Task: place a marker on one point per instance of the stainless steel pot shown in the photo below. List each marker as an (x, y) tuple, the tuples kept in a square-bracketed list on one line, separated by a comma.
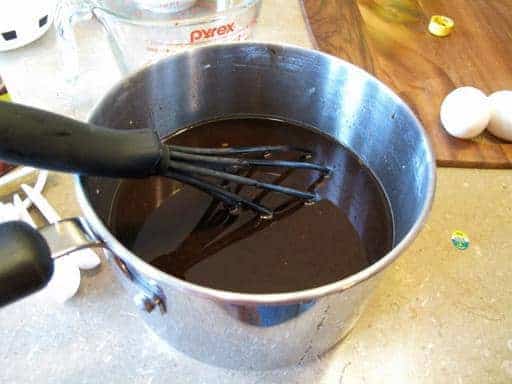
[(299, 85)]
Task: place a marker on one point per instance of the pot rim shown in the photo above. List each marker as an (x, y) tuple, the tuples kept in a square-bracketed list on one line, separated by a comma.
[(250, 298)]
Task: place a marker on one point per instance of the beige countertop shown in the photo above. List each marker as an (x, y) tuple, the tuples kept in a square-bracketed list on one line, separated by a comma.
[(440, 315)]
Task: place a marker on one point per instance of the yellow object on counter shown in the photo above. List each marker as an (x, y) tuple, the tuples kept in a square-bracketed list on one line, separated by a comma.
[(440, 26), (4, 95)]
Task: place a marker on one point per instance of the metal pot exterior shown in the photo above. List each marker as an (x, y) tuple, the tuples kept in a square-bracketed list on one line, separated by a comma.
[(299, 85), (249, 336)]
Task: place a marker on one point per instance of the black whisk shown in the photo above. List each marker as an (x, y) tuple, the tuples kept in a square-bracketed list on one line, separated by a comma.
[(42, 139)]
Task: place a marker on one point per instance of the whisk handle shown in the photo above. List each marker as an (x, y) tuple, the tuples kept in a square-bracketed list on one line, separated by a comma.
[(43, 139)]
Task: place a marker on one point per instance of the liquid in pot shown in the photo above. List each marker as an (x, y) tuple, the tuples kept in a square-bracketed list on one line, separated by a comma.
[(188, 234)]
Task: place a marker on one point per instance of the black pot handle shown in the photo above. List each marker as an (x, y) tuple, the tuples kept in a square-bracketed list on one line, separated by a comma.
[(26, 264), (27, 259)]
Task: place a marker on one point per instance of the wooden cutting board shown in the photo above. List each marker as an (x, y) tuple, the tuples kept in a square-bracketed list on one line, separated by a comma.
[(389, 38)]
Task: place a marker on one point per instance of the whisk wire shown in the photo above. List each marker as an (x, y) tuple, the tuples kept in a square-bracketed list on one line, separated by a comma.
[(188, 168), (235, 150), (248, 162), (229, 198)]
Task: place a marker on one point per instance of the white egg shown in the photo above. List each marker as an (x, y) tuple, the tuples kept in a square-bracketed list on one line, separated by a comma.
[(465, 112), (501, 115), (65, 280)]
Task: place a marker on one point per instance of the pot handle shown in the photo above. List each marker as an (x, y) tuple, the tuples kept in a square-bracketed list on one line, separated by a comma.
[(26, 254), (26, 265)]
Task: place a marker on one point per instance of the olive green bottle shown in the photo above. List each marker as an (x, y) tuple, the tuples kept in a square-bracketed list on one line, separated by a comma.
[(4, 96)]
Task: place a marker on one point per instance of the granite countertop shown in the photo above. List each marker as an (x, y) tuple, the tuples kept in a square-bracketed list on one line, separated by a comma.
[(439, 314)]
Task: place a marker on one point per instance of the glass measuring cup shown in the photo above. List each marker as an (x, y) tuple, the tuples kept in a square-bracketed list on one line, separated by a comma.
[(143, 31)]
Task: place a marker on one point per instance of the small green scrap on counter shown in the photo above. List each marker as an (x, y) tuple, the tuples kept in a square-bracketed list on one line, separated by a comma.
[(460, 240)]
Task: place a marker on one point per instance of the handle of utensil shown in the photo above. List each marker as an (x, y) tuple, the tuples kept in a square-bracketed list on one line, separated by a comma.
[(26, 265), (27, 254), (26, 260), (43, 139), (67, 14)]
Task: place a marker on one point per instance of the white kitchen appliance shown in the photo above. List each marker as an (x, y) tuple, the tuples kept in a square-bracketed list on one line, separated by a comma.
[(23, 21)]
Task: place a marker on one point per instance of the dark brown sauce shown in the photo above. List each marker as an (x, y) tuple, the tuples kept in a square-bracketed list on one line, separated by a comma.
[(190, 235)]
